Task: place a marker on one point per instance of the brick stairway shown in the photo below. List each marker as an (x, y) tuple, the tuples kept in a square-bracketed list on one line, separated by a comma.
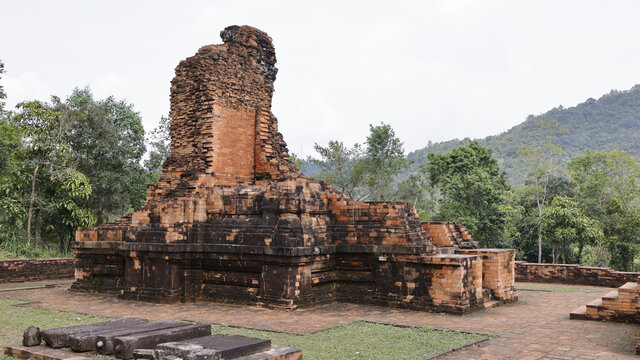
[(621, 304)]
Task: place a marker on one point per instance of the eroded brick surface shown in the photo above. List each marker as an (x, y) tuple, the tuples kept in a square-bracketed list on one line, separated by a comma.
[(19, 270), (572, 274), (449, 234), (233, 219)]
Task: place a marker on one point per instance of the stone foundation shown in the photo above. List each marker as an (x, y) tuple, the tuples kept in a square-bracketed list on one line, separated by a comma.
[(287, 278), (20, 270)]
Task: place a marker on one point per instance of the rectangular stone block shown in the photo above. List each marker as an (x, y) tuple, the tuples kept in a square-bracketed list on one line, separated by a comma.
[(59, 337), (124, 345)]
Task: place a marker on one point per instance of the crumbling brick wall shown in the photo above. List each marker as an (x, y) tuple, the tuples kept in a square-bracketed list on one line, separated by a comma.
[(572, 274), (20, 270)]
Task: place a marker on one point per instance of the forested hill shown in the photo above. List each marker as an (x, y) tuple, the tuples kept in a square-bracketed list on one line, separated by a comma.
[(611, 122)]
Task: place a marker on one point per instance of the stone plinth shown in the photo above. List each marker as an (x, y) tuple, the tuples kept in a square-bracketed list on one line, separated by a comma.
[(498, 271)]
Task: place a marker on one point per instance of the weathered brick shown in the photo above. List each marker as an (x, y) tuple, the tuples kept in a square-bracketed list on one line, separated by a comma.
[(233, 219)]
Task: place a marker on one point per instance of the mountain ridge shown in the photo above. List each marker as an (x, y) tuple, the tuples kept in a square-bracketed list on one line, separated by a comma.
[(611, 122)]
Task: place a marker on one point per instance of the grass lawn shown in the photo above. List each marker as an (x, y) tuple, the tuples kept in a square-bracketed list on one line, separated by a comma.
[(358, 340)]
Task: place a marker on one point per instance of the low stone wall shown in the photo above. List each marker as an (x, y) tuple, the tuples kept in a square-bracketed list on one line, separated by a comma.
[(19, 270), (572, 274)]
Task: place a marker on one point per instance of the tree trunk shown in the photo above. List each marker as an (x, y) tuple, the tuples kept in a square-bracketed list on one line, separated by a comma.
[(580, 252), (72, 237), (32, 198), (36, 232), (61, 245), (539, 248)]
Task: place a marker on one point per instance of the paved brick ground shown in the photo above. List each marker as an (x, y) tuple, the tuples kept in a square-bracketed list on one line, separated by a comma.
[(536, 327)]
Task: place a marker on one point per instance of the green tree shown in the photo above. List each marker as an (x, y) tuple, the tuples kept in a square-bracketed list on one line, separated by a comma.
[(473, 190), (341, 167), (12, 196), (160, 143), (609, 186), (417, 190), (541, 163), (107, 143), (47, 158), (384, 160), (300, 163), (523, 221), (564, 224)]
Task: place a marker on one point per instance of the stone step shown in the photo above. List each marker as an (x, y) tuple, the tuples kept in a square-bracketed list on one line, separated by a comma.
[(490, 304), (630, 287), (597, 303), (611, 295), (610, 299), (579, 313)]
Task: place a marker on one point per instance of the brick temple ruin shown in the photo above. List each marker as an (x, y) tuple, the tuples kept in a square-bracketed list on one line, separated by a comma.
[(233, 219)]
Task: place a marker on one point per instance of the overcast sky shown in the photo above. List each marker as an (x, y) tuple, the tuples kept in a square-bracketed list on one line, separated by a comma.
[(434, 70)]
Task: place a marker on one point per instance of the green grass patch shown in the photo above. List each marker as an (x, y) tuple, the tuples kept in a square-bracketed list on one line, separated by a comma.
[(363, 340), (554, 288), (357, 340), (15, 319)]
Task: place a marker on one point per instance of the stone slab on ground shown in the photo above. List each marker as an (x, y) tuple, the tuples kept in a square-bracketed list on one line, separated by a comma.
[(213, 347), (44, 353), (124, 345), (276, 353), (86, 341), (60, 337), (104, 342)]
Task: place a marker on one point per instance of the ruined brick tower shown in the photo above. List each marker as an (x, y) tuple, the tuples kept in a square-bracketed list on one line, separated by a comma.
[(233, 219)]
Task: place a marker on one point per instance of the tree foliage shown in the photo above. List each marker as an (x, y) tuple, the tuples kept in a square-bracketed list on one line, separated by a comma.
[(54, 184), (541, 164), (107, 143), (563, 223), (160, 143), (608, 184), (384, 160), (67, 164), (473, 189), (342, 167)]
